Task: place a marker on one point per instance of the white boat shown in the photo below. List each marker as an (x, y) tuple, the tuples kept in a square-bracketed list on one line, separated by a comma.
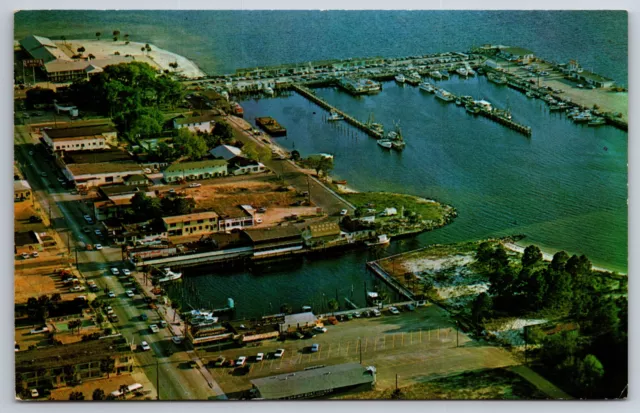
[(529, 94), (436, 75), (414, 78), (427, 87), (445, 73), (400, 78), (458, 102), (335, 116), (471, 72), (380, 240), (444, 95), (462, 71), (498, 80), (268, 90), (376, 127), (583, 117), (597, 122), (385, 143), (169, 276)]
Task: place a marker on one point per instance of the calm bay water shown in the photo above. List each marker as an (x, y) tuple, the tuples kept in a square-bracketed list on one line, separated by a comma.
[(560, 187)]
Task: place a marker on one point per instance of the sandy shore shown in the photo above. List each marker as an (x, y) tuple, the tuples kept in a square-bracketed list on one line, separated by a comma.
[(106, 48), (547, 256)]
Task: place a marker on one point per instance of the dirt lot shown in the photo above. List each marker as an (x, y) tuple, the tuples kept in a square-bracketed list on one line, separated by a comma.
[(22, 211), (108, 385)]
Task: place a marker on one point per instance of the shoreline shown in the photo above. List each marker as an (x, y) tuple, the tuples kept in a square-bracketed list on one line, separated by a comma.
[(548, 256), (161, 57)]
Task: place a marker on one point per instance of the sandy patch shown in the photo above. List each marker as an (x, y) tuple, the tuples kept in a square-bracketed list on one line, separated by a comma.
[(428, 264), (106, 48), (511, 331)]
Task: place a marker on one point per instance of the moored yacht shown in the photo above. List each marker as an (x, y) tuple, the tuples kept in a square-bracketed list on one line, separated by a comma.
[(400, 78), (385, 143), (427, 87), (436, 74), (414, 78), (268, 90), (335, 116), (462, 71), (444, 95)]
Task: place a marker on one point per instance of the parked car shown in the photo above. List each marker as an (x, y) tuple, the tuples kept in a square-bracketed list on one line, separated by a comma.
[(259, 356), (24, 255), (376, 312), (220, 361), (34, 394), (394, 310), (240, 362), (309, 334), (154, 328), (98, 247), (145, 346), (144, 317), (410, 307), (129, 293), (111, 294), (114, 271), (279, 352), (88, 219), (126, 272), (315, 348), (163, 324), (35, 254), (344, 212), (76, 288), (194, 185), (319, 329), (177, 339), (97, 232)]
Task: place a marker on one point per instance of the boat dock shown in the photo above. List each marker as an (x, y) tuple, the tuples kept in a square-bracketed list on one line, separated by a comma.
[(375, 268), (308, 93), (525, 130)]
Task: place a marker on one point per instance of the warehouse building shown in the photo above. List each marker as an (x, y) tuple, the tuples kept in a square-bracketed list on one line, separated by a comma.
[(315, 383)]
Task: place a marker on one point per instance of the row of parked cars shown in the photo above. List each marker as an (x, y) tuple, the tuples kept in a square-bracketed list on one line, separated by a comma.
[(241, 361)]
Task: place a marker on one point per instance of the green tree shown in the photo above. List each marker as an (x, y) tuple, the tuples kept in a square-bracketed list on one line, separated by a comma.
[(250, 151), (286, 309), (559, 260), (116, 33), (263, 153), (190, 144), (484, 252), (81, 49), (481, 307), (590, 373), (499, 259), (333, 305), (140, 203), (559, 290), (76, 395), (147, 122), (98, 34), (165, 152), (224, 132), (107, 365), (99, 319), (534, 288), (531, 256), (182, 206), (98, 394)]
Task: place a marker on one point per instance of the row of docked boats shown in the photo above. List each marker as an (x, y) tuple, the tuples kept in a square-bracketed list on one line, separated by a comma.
[(586, 116), (414, 78), (393, 140)]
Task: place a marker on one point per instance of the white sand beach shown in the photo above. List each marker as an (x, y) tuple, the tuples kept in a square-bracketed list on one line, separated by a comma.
[(106, 48)]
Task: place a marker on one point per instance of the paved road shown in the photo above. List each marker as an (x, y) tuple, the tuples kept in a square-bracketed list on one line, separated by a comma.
[(176, 382)]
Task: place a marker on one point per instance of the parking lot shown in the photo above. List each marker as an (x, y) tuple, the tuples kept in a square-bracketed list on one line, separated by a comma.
[(415, 345)]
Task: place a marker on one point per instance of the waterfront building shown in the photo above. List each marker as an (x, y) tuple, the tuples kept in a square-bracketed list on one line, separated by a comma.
[(116, 198), (27, 242), (274, 240), (81, 138), (96, 168), (202, 123), (63, 365), (244, 166), (313, 383), (21, 190), (144, 233), (321, 234), (198, 223), (234, 218), (186, 171), (43, 48), (592, 79), (518, 54)]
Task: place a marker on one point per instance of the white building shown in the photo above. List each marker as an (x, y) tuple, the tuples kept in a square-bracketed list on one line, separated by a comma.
[(202, 123), (81, 138), (226, 152)]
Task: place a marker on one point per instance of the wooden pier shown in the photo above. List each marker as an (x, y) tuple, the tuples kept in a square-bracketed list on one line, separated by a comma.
[(323, 104), (525, 130)]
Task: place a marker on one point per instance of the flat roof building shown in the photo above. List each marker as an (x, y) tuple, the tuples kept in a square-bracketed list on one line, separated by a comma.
[(274, 240), (314, 383), (198, 223), (21, 190), (81, 138), (185, 171), (97, 168)]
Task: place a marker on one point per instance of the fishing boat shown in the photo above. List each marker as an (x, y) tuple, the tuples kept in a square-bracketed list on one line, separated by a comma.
[(555, 108), (169, 275), (436, 75), (584, 117), (480, 70), (400, 78), (335, 116), (385, 143), (499, 80), (376, 127), (380, 240), (473, 109), (462, 71), (414, 78), (444, 95), (427, 87), (395, 136), (597, 122)]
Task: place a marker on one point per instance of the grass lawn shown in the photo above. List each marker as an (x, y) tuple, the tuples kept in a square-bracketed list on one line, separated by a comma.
[(429, 210), (493, 384)]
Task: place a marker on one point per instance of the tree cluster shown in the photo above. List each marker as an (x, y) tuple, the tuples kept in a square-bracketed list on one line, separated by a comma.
[(145, 208)]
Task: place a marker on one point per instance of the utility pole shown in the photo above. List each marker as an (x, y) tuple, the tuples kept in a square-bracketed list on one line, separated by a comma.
[(396, 381), (457, 333), (158, 378), (76, 257), (360, 341), (69, 241), (50, 223), (525, 345)]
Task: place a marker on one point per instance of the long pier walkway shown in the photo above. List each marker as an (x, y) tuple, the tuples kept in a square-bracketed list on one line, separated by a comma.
[(323, 104)]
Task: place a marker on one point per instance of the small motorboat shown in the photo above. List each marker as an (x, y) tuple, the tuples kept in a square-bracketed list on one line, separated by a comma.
[(380, 240)]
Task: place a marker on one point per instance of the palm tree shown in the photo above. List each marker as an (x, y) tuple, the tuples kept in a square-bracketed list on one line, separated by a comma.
[(81, 49), (98, 34), (107, 365), (116, 33), (91, 56), (98, 394), (76, 395), (333, 305), (126, 37)]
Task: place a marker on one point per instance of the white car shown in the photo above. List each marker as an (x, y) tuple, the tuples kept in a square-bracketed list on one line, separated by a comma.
[(130, 294), (319, 329), (344, 212), (394, 310), (98, 232), (34, 393), (126, 272), (279, 352), (24, 256), (35, 255), (109, 310), (176, 339), (76, 288), (145, 346), (114, 271), (98, 247), (88, 219), (111, 294), (195, 185), (315, 348), (259, 356), (241, 361), (376, 312), (154, 328)]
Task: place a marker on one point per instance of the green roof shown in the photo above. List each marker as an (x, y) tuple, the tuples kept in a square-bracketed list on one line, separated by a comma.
[(188, 166), (309, 383), (593, 76), (516, 51)]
